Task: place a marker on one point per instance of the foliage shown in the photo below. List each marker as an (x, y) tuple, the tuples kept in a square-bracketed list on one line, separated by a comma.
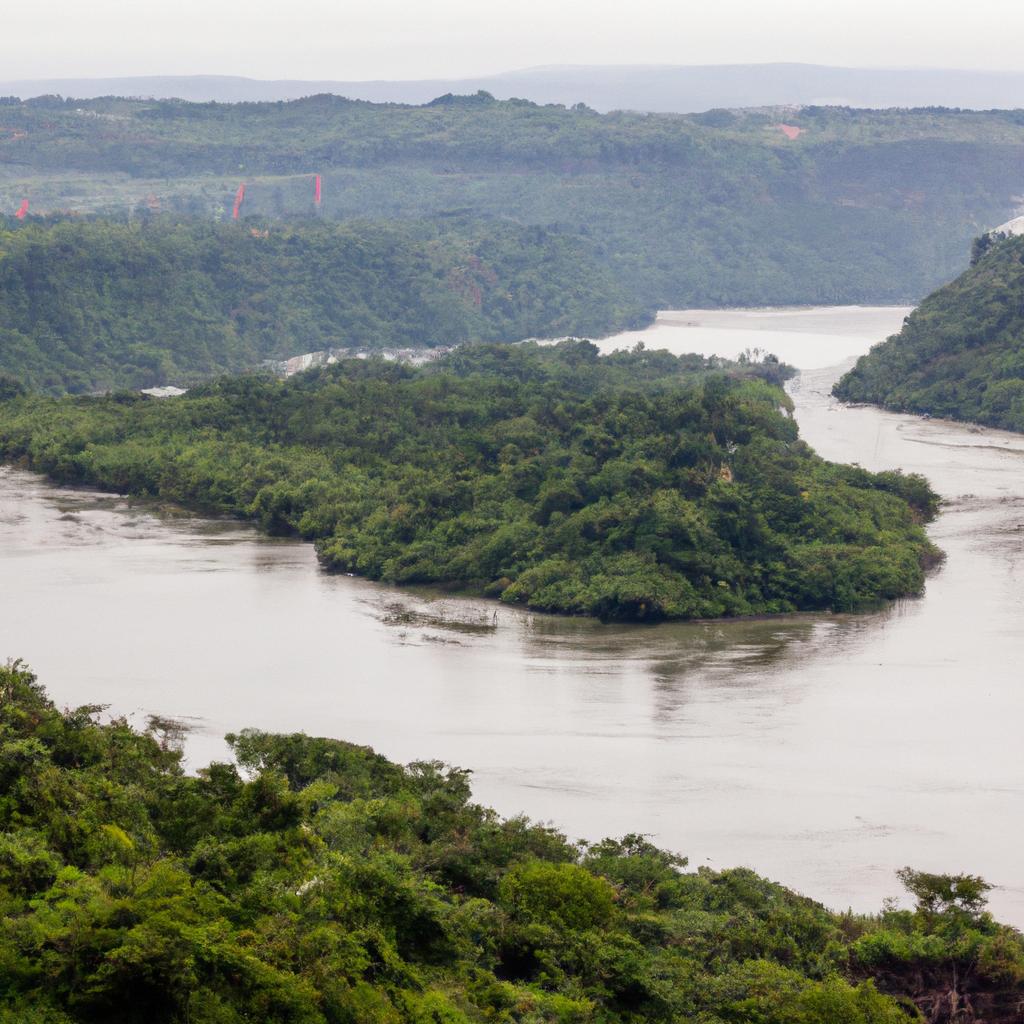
[(960, 354), (701, 210), (635, 486), (91, 305), (94, 305), (323, 884), (948, 954)]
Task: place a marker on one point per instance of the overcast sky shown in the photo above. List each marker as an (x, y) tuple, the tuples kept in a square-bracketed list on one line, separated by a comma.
[(365, 39)]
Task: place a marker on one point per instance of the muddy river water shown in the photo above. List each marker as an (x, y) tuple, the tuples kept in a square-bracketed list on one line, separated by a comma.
[(824, 751)]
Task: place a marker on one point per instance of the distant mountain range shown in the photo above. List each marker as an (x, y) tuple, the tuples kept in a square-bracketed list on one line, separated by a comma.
[(662, 88)]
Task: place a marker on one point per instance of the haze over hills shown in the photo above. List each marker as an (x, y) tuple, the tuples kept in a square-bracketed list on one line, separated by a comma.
[(660, 88), (821, 205)]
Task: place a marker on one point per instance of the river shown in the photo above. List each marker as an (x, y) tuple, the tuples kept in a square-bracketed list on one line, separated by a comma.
[(823, 751)]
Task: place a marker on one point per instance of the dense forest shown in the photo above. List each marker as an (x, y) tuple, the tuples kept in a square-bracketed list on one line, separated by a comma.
[(635, 486), (314, 882), (960, 354), (720, 208), (94, 305)]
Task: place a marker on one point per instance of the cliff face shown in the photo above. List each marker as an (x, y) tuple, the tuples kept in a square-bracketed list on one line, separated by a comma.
[(960, 354)]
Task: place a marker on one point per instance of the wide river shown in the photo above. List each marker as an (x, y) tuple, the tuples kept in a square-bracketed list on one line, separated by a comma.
[(824, 751)]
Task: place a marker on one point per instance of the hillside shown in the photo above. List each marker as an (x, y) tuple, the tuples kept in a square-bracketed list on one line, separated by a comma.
[(93, 305), (638, 486), (720, 208), (960, 354), (315, 882), (666, 88)]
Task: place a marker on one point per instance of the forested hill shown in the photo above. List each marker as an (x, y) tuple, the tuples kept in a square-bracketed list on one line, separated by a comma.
[(94, 305), (960, 354), (315, 882), (636, 486), (811, 205)]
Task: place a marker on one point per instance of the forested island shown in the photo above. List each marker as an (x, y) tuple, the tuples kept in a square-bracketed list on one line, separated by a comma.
[(960, 354), (820, 205), (96, 305), (312, 881), (636, 486)]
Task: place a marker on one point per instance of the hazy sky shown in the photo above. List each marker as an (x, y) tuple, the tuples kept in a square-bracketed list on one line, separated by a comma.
[(360, 39)]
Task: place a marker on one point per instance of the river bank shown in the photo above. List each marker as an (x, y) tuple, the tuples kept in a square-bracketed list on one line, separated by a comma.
[(823, 751)]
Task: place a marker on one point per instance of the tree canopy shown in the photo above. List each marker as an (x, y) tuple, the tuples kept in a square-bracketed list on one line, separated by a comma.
[(700, 210), (95, 305), (635, 486), (315, 882), (960, 354)]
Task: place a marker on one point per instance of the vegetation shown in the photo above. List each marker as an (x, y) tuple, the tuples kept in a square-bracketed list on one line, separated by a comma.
[(464, 219), (635, 486), (961, 352), (712, 209), (314, 882), (94, 305)]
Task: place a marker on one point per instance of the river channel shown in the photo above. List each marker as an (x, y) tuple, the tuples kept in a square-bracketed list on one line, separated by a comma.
[(823, 751)]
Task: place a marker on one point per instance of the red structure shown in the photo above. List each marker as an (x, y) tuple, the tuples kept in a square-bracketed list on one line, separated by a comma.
[(239, 198), (22, 210), (316, 189), (791, 131)]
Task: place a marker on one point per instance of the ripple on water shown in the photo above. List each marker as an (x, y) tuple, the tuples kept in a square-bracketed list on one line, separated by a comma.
[(824, 751)]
